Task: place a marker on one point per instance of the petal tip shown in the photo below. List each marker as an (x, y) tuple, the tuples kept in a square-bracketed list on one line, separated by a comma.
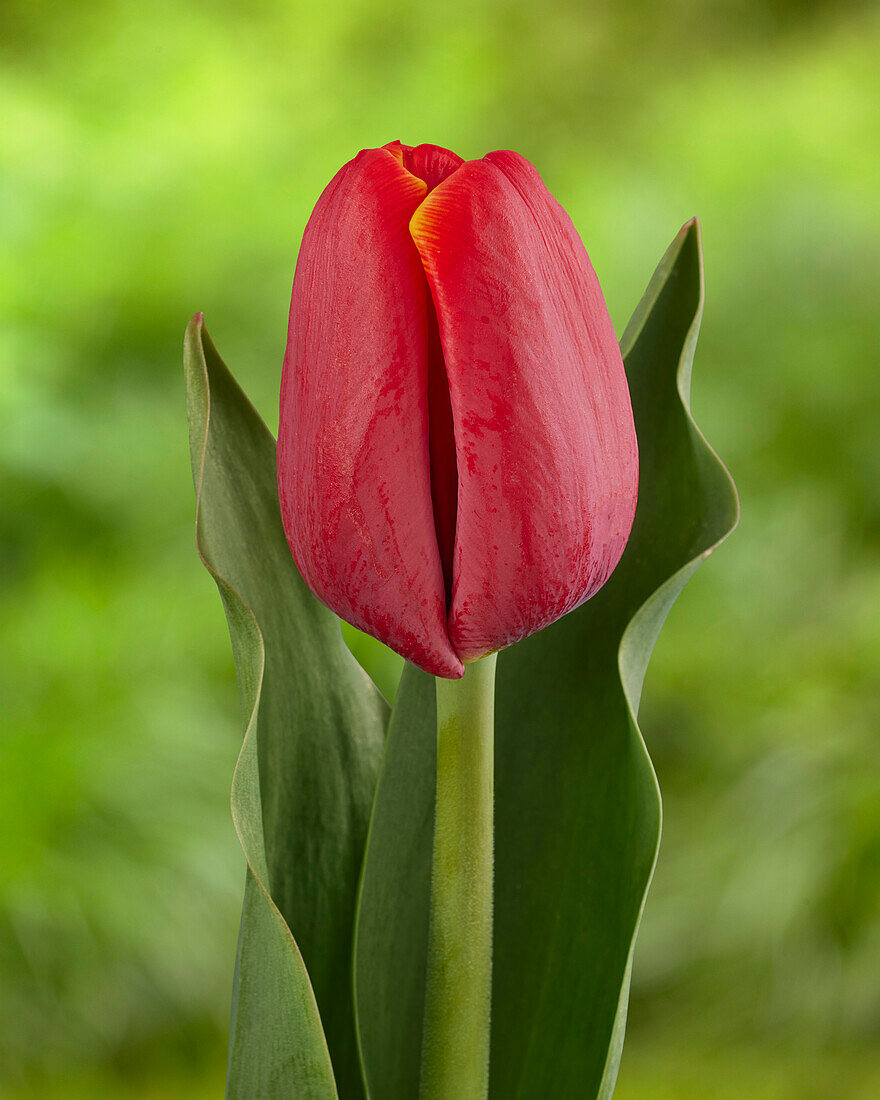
[(450, 670)]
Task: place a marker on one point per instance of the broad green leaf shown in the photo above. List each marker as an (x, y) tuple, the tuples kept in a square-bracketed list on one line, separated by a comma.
[(577, 821), (301, 794)]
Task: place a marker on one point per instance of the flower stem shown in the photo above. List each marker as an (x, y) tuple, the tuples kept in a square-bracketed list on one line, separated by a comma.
[(455, 1044)]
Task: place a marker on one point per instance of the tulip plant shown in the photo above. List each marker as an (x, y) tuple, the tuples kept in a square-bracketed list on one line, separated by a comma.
[(442, 896)]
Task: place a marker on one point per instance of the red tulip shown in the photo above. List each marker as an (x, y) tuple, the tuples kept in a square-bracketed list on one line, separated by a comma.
[(457, 462)]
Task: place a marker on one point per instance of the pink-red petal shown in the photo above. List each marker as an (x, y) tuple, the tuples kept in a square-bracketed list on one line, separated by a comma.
[(544, 436), (353, 451)]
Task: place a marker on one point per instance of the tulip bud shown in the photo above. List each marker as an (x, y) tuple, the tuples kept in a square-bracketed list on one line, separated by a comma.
[(457, 461)]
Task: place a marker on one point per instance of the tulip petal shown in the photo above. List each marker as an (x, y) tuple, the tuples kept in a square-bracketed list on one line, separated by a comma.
[(353, 448), (544, 436), (431, 163)]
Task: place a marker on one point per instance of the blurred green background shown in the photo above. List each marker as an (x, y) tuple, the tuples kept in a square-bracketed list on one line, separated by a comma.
[(162, 158)]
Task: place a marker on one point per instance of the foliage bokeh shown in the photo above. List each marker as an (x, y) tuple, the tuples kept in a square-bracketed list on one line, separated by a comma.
[(159, 159)]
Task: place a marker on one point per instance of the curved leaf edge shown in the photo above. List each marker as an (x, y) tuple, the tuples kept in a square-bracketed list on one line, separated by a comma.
[(634, 654), (249, 669)]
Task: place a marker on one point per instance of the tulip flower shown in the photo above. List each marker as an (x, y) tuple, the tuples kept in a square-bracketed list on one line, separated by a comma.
[(457, 460), (457, 468)]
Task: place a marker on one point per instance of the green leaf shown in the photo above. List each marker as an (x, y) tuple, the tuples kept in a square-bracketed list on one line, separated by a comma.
[(301, 794), (391, 940), (577, 815)]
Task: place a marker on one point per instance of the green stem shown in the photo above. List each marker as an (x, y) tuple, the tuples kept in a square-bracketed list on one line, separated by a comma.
[(455, 1045)]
